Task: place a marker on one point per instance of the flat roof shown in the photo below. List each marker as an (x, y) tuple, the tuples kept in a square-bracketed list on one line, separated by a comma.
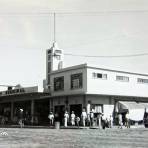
[(85, 65)]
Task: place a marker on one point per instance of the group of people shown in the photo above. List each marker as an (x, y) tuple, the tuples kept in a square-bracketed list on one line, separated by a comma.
[(74, 119), (126, 122), (86, 119)]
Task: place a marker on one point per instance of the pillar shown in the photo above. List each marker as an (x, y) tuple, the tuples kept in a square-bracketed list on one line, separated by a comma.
[(12, 108), (84, 102), (32, 111), (51, 107)]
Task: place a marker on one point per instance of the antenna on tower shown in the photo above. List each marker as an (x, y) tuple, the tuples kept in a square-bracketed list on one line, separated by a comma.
[(54, 15)]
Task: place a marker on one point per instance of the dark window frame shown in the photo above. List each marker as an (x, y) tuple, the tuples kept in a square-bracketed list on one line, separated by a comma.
[(142, 80), (77, 78), (122, 78), (101, 76), (59, 83)]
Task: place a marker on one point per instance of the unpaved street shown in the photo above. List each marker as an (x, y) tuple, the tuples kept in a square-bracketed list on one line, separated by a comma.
[(73, 138)]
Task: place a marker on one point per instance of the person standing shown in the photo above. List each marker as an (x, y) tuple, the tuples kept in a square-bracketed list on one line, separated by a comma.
[(103, 121), (127, 120), (66, 117), (99, 117), (21, 121), (51, 118), (73, 118), (91, 118), (110, 121), (120, 120), (84, 117), (77, 120)]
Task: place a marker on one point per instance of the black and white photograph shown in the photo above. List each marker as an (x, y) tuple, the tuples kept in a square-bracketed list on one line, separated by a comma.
[(73, 73)]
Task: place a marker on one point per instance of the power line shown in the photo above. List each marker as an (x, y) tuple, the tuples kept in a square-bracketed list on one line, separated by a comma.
[(101, 56), (92, 56), (74, 13)]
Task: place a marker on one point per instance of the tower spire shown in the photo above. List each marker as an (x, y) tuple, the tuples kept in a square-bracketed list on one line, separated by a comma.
[(54, 15)]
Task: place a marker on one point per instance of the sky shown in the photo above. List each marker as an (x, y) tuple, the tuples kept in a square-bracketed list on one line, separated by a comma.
[(83, 27)]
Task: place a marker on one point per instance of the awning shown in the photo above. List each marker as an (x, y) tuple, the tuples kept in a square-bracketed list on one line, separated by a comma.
[(123, 106), (136, 110)]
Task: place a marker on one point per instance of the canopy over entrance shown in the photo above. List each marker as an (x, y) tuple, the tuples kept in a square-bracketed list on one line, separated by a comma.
[(136, 110)]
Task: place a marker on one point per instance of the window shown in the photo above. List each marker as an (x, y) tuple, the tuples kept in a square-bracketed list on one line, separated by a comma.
[(49, 51), (140, 80), (48, 79), (76, 81), (49, 57), (58, 51), (99, 75), (59, 83), (49, 67), (122, 78)]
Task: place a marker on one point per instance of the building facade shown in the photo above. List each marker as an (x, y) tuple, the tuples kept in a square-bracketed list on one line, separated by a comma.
[(35, 106), (84, 86)]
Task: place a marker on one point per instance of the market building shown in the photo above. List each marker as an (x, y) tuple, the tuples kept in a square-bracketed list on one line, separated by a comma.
[(35, 106), (90, 87), (75, 88)]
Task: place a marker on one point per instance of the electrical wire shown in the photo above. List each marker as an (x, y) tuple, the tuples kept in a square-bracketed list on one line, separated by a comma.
[(73, 13), (114, 56)]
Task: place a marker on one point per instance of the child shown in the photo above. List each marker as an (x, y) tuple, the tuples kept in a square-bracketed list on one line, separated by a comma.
[(78, 120)]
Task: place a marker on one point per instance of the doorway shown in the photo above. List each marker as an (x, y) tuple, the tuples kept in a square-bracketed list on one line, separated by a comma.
[(77, 108), (59, 111)]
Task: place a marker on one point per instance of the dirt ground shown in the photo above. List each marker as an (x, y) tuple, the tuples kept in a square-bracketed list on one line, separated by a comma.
[(73, 138)]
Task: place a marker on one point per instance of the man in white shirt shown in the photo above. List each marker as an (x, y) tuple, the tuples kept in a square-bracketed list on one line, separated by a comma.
[(84, 117), (51, 118), (73, 118), (66, 117)]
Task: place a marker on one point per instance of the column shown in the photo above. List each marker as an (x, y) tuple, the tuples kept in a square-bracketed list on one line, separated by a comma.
[(84, 102), (12, 108), (32, 111)]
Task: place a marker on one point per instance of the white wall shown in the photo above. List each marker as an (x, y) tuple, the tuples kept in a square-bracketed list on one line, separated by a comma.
[(111, 86)]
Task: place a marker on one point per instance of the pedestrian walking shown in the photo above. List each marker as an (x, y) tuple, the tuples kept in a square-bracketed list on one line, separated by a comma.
[(51, 118), (66, 117), (73, 118), (84, 117)]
